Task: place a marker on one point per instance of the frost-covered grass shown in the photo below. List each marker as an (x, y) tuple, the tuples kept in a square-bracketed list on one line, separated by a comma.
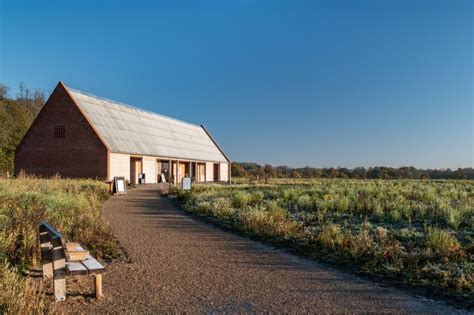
[(72, 206), (421, 232)]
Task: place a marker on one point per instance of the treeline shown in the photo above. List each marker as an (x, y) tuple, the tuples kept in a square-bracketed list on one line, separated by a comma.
[(256, 171), (16, 115)]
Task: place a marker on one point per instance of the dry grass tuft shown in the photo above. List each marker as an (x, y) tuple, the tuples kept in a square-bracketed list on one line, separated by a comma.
[(19, 295)]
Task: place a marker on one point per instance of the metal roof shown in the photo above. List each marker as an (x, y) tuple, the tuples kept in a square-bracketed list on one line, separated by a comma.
[(127, 129)]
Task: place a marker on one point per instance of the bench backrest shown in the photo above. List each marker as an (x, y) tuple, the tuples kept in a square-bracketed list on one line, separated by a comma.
[(46, 227), (50, 237)]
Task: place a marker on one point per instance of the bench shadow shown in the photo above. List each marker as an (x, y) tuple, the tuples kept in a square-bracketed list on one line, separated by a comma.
[(74, 294), (34, 273)]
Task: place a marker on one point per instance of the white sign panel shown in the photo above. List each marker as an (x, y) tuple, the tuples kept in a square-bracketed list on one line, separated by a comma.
[(186, 183), (120, 185)]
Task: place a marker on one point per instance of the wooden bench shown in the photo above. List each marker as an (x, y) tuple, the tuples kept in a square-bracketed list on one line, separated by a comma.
[(58, 260)]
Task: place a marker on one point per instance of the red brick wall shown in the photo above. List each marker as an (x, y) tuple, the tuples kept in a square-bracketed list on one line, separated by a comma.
[(81, 154)]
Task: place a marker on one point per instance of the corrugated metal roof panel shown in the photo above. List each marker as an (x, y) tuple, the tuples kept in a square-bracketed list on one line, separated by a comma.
[(127, 129)]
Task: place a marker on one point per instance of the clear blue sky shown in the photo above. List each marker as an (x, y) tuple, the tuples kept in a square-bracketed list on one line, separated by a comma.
[(334, 83)]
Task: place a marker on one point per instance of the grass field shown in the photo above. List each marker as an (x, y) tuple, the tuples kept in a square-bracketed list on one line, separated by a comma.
[(417, 232), (72, 206)]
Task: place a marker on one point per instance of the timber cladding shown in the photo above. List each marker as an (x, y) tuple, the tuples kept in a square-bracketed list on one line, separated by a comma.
[(62, 141)]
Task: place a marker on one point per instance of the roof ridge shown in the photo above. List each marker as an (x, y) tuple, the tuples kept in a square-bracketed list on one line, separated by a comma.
[(131, 106)]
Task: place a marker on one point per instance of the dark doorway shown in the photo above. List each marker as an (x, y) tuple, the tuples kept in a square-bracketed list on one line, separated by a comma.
[(216, 172), (135, 169)]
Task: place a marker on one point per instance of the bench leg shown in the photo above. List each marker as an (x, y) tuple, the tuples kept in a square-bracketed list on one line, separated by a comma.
[(59, 272), (98, 286), (60, 289)]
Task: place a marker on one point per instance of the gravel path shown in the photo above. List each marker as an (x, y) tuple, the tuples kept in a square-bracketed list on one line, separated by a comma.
[(181, 264)]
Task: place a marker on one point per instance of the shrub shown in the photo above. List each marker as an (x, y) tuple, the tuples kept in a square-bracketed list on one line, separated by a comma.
[(395, 215), (361, 243), (330, 236), (257, 197), (341, 204), (202, 207), (443, 243), (222, 208), (240, 199), (304, 203)]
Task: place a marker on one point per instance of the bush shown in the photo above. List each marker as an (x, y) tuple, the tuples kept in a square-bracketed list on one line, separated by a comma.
[(257, 197), (330, 236), (222, 208), (240, 199), (304, 203), (443, 244)]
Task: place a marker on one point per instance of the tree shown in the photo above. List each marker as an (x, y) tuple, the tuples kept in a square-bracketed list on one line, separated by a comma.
[(16, 117), (283, 171), (3, 91), (254, 170), (238, 170), (24, 92), (359, 172), (269, 171), (294, 173), (38, 99)]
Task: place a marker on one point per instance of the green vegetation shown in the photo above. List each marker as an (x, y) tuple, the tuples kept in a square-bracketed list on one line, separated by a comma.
[(72, 206), (16, 116), (418, 232), (254, 171)]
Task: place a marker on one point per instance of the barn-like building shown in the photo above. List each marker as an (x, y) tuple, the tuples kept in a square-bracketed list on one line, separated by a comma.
[(79, 135)]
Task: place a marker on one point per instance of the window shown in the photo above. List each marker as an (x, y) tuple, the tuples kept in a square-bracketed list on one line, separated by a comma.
[(59, 132)]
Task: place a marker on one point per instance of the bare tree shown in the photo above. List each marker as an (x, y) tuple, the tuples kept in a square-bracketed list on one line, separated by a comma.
[(3, 91), (38, 98), (24, 92)]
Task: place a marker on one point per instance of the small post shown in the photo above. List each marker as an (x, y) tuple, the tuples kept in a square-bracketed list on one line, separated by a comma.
[(191, 170), (196, 169), (59, 270), (170, 170), (178, 172), (98, 286)]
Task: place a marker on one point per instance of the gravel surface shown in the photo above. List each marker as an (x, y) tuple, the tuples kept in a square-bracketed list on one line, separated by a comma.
[(180, 264)]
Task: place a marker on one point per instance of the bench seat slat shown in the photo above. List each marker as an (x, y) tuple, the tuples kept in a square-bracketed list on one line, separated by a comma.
[(74, 246), (75, 268), (93, 265), (76, 252)]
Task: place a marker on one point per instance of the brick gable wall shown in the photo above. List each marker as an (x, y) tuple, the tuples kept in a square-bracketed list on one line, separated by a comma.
[(80, 154)]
